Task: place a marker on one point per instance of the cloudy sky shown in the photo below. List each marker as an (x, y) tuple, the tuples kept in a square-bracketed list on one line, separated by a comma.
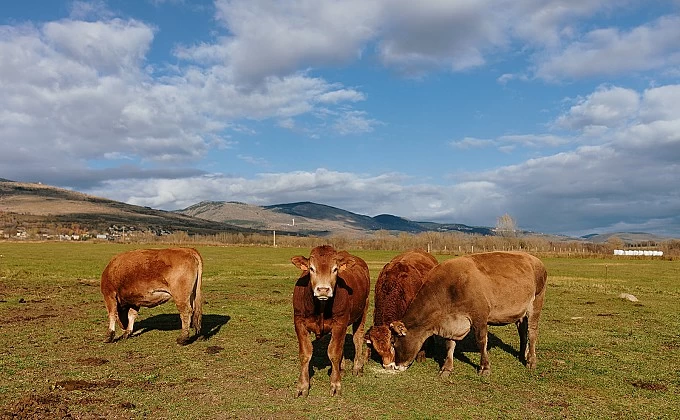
[(564, 114)]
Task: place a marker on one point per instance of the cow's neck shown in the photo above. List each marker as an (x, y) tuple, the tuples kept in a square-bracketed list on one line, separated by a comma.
[(411, 343)]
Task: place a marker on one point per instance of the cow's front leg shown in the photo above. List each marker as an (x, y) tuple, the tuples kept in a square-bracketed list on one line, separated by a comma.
[(131, 316), (448, 363), (305, 353), (481, 334), (335, 350), (358, 331)]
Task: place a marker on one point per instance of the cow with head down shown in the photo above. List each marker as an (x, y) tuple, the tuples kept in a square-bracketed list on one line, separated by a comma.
[(472, 292), (397, 285), (331, 294), (151, 277)]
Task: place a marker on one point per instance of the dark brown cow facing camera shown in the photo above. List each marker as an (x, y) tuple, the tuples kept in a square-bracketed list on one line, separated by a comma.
[(472, 292), (331, 294), (150, 277), (397, 285)]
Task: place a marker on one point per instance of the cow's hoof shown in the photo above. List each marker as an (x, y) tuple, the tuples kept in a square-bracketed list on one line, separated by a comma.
[(125, 335), (110, 336), (335, 390), (182, 341), (358, 371), (302, 392), (531, 364), (444, 373), (484, 372)]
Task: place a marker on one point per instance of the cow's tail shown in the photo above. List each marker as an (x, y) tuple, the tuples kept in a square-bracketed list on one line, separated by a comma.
[(197, 296)]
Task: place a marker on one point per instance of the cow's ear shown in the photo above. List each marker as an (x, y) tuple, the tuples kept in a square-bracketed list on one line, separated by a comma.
[(346, 261), (300, 262), (399, 328)]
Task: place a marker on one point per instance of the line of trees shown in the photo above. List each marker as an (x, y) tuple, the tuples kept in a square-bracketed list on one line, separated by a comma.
[(454, 243)]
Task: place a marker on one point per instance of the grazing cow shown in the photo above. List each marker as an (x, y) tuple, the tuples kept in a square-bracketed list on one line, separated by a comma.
[(331, 293), (150, 277), (494, 288), (397, 285)]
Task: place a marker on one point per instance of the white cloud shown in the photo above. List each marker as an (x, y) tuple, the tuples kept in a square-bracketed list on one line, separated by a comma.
[(354, 122), (472, 142), (74, 91), (609, 106), (275, 38), (424, 36), (611, 51), (341, 95)]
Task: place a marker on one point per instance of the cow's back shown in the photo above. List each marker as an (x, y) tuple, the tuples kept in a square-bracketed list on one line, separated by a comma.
[(499, 285), (149, 268), (398, 283)]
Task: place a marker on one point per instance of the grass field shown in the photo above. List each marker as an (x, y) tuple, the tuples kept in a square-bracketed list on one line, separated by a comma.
[(598, 356)]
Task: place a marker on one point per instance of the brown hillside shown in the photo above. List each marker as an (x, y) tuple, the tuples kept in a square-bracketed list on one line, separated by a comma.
[(45, 207)]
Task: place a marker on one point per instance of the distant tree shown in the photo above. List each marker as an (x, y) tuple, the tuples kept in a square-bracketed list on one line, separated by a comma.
[(506, 226), (615, 242)]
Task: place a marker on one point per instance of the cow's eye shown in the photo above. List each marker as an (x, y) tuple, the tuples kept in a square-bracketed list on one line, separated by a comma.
[(335, 270), (311, 269)]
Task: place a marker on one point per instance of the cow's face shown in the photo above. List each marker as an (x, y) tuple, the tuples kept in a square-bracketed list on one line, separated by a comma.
[(398, 346), (380, 338), (324, 265)]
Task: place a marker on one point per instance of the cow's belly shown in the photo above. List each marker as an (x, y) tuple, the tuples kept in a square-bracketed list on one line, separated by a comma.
[(504, 315), (149, 299)]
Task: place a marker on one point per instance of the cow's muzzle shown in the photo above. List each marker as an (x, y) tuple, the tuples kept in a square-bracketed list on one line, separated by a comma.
[(323, 292)]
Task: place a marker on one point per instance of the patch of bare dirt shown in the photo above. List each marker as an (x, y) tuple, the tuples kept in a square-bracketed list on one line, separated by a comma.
[(47, 406), (92, 361), (649, 386), (214, 349)]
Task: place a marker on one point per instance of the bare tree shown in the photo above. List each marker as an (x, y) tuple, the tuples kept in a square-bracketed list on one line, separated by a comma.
[(506, 226)]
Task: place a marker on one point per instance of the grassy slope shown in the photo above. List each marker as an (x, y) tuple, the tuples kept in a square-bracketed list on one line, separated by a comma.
[(599, 356)]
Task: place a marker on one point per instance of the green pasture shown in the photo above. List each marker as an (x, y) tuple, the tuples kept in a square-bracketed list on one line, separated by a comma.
[(599, 356)]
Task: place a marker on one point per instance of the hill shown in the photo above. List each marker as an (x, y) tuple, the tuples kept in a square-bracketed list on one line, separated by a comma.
[(47, 208), (312, 218), (626, 237)]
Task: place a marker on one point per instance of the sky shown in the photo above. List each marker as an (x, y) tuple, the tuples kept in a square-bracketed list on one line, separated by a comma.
[(564, 114)]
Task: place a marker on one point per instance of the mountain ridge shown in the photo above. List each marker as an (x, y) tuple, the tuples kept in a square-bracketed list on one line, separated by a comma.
[(36, 204)]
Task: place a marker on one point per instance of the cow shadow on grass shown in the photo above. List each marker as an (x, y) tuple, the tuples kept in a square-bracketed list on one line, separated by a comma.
[(437, 349), (320, 358), (211, 325)]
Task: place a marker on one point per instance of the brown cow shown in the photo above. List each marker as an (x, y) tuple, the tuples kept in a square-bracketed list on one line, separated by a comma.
[(494, 288), (331, 293), (150, 277), (397, 285)]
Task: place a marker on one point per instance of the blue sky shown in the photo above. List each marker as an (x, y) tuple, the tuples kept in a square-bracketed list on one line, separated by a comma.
[(565, 115)]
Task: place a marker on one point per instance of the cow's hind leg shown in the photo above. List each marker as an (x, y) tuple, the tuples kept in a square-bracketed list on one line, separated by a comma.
[(132, 313), (523, 331), (481, 335), (185, 313), (112, 312)]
